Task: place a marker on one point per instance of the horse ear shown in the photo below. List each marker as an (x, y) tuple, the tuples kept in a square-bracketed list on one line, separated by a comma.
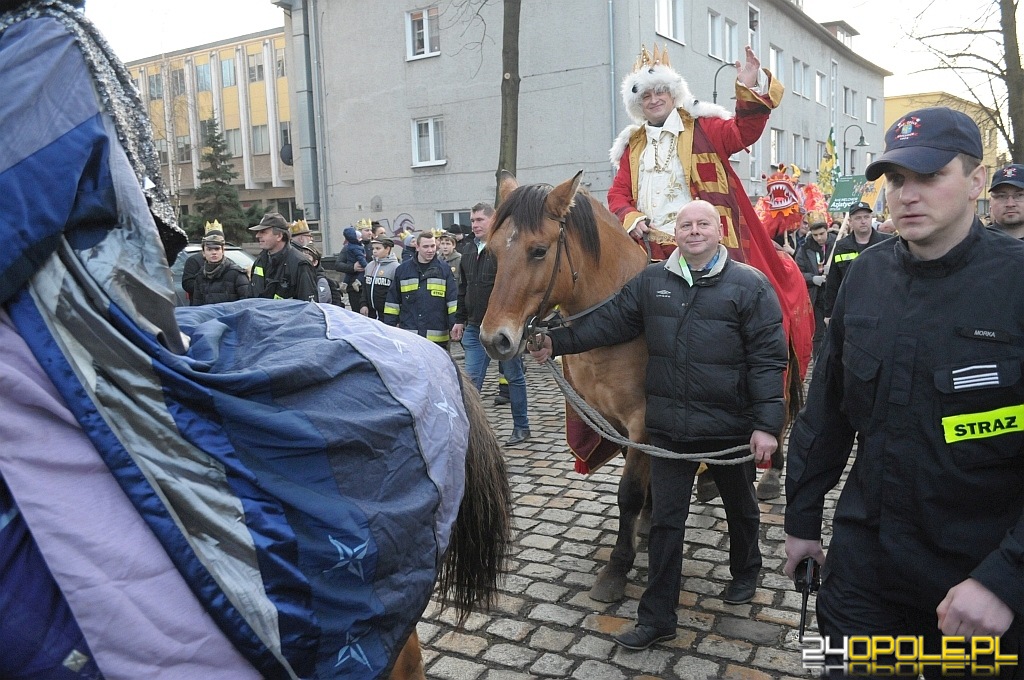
[(561, 198), (507, 183)]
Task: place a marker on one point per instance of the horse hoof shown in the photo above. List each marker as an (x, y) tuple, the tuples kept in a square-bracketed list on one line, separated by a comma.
[(707, 491), (770, 486), (608, 588)]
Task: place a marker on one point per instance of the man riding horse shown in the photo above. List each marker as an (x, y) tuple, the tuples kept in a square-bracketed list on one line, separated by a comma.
[(678, 151)]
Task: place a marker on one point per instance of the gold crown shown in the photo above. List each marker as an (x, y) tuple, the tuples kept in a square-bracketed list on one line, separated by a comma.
[(364, 223), (212, 226), (299, 227), (650, 59)]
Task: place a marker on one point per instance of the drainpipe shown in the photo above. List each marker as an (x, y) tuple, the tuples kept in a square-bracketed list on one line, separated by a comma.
[(611, 67)]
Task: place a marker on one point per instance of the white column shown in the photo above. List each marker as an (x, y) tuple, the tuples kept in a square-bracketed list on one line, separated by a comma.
[(242, 78), (193, 120), (273, 128)]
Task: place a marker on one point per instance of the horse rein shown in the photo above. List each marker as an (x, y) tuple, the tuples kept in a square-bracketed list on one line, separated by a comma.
[(536, 327)]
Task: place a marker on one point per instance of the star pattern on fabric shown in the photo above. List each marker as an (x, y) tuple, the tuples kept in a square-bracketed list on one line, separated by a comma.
[(448, 410), (350, 557), (352, 651)]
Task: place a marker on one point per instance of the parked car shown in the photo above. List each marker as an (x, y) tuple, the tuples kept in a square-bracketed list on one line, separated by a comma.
[(239, 256)]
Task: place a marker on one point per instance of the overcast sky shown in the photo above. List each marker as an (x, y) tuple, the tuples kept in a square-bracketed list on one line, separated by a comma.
[(144, 28)]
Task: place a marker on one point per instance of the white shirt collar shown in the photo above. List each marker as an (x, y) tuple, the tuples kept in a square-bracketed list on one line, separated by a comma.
[(673, 124)]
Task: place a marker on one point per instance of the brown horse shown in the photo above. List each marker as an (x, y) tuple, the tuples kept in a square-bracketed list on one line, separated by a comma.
[(480, 538), (561, 247), (540, 238)]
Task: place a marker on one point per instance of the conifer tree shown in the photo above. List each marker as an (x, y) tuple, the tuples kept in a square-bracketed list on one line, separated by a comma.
[(217, 197)]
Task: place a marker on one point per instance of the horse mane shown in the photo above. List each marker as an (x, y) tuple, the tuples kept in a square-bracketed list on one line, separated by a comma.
[(525, 205)]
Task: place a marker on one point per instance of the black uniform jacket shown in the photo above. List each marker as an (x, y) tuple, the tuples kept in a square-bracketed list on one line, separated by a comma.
[(924, 359)]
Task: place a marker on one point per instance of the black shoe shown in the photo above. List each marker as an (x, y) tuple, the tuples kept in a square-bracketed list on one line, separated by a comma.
[(519, 435), (500, 399), (642, 637), (740, 591)]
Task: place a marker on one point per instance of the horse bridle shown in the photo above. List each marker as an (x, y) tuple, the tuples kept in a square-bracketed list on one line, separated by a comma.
[(534, 325)]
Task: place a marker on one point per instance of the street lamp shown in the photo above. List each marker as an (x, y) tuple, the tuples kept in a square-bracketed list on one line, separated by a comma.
[(860, 142), (714, 86)]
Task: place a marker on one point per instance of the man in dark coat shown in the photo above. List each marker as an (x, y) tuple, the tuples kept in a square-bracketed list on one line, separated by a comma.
[(714, 381)]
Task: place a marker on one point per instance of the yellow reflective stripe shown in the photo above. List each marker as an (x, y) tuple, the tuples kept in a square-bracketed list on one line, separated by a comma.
[(257, 271), (391, 308), (453, 306), (845, 257), (408, 285), (985, 424), (278, 297), (436, 286), (437, 336)]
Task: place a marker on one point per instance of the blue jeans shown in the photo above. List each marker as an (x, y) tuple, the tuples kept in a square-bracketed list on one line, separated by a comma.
[(477, 362)]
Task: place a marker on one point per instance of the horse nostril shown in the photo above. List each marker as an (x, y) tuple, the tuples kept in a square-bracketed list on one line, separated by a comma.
[(504, 343)]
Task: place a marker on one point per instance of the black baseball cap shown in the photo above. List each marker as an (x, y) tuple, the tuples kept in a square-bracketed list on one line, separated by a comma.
[(926, 140), (860, 205), (1011, 174)]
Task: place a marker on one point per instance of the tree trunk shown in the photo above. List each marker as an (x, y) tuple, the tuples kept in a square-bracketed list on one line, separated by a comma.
[(1014, 77), (508, 143)]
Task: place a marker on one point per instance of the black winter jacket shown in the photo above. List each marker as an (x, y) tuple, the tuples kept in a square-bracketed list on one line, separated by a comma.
[(227, 284), (286, 274), (846, 251), (476, 279), (717, 349), (924, 359)]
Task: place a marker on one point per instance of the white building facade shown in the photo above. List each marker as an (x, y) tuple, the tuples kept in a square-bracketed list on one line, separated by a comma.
[(397, 105)]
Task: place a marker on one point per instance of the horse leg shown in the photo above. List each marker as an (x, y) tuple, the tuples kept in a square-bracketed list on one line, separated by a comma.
[(409, 664), (610, 585), (769, 486)]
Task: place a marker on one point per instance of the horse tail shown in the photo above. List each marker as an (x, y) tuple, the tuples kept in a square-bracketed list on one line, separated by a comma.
[(481, 537)]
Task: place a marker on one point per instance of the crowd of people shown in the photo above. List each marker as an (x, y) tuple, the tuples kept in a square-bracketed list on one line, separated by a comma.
[(716, 333), (918, 346)]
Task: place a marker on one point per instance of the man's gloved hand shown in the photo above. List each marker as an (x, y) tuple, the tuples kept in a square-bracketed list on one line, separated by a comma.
[(818, 280)]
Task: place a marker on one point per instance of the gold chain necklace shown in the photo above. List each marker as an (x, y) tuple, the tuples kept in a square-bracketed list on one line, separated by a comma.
[(664, 165)]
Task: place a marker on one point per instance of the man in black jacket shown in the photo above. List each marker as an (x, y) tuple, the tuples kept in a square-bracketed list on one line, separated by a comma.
[(476, 279), (714, 381), (280, 271), (811, 258), (923, 359), (862, 236)]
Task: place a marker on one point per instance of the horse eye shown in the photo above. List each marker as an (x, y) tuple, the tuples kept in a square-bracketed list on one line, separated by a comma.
[(538, 252)]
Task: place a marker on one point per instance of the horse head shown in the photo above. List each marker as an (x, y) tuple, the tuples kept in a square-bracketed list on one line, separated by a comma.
[(529, 243)]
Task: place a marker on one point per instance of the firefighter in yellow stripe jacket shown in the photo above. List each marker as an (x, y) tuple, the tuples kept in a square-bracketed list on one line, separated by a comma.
[(424, 295)]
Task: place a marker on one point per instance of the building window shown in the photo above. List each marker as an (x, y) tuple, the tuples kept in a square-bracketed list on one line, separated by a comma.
[(870, 114), (668, 19), (851, 163), (798, 86), (206, 128), (732, 43), (156, 86), (715, 34), (776, 63), (182, 149), (447, 218), (177, 82), (255, 63), (260, 140), (233, 138), (850, 102), (820, 88), (775, 147), (227, 72), (754, 28), (279, 63), (203, 81), (821, 152), (428, 141), (422, 33), (286, 133), (755, 162), (801, 151), (161, 150)]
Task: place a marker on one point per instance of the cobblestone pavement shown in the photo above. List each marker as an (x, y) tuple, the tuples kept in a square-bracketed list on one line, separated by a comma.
[(545, 625)]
